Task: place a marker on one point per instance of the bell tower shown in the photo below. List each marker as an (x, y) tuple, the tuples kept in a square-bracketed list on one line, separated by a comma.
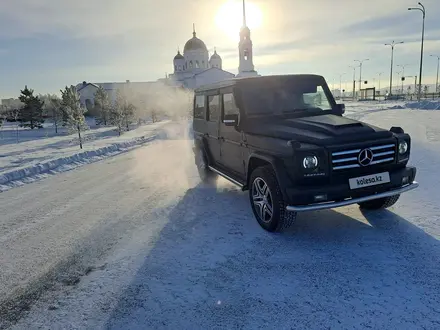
[(246, 63)]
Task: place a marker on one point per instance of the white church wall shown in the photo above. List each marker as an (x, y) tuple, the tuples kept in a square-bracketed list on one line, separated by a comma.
[(195, 56), (211, 76)]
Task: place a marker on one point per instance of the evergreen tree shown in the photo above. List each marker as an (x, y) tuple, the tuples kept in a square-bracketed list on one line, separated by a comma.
[(31, 114), (102, 106), (73, 111), (117, 115)]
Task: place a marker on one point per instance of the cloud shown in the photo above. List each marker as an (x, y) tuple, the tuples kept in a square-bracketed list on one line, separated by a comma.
[(50, 42)]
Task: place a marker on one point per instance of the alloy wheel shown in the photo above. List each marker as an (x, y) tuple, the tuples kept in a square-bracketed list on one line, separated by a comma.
[(262, 199)]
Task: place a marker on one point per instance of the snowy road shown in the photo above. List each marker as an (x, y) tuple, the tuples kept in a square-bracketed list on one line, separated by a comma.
[(135, 242)]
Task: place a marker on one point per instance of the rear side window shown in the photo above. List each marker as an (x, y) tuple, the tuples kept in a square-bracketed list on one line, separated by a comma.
[(199, 107), (214, 108), (230, 108)]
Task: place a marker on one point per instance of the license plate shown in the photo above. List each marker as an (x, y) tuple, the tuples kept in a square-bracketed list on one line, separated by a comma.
[(369, 180)]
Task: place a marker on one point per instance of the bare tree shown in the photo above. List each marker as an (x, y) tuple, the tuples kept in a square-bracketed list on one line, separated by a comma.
[(53, 108), (122, 111), (74, 111), (15, 114)]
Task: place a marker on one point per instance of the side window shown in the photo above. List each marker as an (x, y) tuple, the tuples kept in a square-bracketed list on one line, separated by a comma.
[(230, 108), (214, 107), (199, 107)]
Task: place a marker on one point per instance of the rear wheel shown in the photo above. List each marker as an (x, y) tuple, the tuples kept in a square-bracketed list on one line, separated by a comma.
[(380, 203), (267, 201), (201, 160)]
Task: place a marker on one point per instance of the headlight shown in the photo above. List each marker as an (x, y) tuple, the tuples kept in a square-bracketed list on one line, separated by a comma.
[(310, 162), (403, 147)]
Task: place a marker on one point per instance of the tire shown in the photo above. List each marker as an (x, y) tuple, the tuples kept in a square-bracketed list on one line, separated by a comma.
[(205, 174), (265, 192), (380, 203)]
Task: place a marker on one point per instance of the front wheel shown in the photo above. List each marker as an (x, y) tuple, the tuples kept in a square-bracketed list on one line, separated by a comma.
[(267, 201), (380, 203)]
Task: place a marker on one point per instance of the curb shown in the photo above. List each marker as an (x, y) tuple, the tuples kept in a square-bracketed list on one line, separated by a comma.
[(52, 165)]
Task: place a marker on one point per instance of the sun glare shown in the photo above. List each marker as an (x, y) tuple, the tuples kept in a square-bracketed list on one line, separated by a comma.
[(229, 17)]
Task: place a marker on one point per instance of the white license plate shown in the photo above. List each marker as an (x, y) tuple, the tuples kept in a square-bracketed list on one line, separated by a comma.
[(369, 180)]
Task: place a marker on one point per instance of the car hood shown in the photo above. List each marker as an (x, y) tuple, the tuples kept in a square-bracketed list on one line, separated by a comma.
[(319, 130)]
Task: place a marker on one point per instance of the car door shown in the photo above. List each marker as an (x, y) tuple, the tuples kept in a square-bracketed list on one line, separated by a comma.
[(231, 145), (213, 115)]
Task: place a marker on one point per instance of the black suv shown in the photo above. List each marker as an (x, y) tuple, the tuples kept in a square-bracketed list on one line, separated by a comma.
[(285, 140)]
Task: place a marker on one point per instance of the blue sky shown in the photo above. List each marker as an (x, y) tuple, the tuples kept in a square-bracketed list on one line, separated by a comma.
[(47, 44)]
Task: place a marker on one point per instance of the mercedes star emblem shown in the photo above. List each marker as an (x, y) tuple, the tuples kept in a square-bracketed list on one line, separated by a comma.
[(365, 157)]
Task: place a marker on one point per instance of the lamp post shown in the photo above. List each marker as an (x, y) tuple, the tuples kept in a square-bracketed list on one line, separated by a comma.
[(422, 9), (354, 80), (360, 71), (436, 81), (397, 80), (403, 73), (392, 58), (380, 73), (340, 85), (415, 85)]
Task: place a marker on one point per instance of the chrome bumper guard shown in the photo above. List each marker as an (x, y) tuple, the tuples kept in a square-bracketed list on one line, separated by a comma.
[(331, 205)]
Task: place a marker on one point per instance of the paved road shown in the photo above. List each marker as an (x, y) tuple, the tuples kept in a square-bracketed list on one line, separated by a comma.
[(135, 242)]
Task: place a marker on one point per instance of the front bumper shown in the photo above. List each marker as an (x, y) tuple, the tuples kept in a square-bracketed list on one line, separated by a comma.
[(341, 194)]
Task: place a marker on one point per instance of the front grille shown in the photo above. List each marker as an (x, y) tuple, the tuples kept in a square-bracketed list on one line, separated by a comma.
[(345, 159)]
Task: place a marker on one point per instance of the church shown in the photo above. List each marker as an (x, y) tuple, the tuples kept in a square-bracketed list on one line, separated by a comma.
[(192, 69)]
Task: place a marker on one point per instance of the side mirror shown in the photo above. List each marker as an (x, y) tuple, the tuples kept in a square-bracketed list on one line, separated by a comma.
[(230, 120), (340, 109)]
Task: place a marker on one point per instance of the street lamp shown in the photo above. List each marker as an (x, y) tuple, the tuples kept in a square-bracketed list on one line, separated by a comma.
[(398, 78), (392, 57), (436, 82), (403, 73), (340, 85), (380, 73), (360, 71), (354, 79), (422, 9)]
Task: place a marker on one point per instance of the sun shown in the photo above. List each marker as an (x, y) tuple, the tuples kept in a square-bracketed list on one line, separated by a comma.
[(229, 17)]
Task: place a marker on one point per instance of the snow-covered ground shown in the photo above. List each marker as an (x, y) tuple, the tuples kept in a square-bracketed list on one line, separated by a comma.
[(136, 242), (41, 152)]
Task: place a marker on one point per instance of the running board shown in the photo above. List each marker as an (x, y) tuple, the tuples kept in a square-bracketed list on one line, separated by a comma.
[(331, 205), (226, 176)]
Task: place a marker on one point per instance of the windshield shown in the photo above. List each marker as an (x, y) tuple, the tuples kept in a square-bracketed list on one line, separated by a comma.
[(285, 98)]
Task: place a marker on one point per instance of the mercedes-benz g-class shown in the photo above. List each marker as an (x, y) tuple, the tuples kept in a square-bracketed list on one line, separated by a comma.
[(284, 138)]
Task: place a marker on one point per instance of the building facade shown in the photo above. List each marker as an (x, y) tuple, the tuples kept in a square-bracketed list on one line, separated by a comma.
[(191, 69)]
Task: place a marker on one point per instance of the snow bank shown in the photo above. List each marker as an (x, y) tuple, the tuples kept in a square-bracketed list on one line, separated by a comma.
[(37, 171), (425, 105)]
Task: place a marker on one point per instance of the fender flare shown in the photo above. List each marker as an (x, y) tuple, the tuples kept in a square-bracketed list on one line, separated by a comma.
[(200, 143), (278, 168)]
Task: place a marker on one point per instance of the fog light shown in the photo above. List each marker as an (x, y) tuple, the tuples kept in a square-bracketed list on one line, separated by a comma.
[(320, 198), (405, 180), (310, 162)]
